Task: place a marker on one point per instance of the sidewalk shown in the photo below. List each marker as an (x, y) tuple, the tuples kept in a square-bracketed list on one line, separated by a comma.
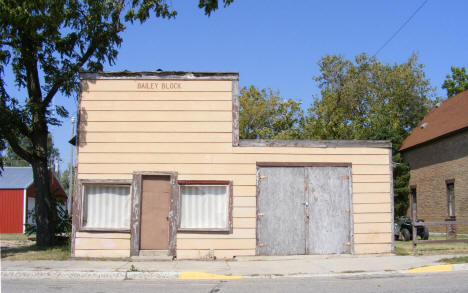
[(242, 267)]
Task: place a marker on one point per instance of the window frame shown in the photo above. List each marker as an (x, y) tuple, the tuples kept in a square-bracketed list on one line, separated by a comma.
[(447, 182), (228, 228), (83, 184)]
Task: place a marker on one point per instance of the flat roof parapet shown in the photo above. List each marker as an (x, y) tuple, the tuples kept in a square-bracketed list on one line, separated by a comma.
[(173, 75), (315, 143)]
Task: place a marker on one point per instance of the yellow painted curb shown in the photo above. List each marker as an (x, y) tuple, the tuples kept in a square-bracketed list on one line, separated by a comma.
[(205, 276), (429, 269)]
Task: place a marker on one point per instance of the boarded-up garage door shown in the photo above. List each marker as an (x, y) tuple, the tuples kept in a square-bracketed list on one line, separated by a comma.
[(304, 210)]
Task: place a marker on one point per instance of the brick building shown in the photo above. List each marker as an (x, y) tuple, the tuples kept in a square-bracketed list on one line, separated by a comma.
[(437, 151)]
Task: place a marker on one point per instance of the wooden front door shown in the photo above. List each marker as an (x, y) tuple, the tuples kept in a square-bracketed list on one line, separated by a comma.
[(304, 210), (155, 209)]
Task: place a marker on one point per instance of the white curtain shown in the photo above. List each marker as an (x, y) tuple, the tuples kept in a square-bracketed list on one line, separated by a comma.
[(203, 206), (106, 206)]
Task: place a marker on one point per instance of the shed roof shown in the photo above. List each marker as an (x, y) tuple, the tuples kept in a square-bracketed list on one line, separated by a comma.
[(16, 178), (450, 116)]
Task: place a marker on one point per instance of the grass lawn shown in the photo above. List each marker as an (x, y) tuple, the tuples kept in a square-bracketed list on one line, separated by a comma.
[(23, 247), (452, 260), (32, 252), (19, 237), (406, 247)]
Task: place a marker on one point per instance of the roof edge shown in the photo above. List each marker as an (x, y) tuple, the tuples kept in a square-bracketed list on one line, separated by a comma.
[(29, 184), (434, 139), (314, 143), (172, 75)]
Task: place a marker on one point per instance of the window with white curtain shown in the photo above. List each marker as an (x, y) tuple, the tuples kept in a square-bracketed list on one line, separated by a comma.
[(106, 207), (204, 207)]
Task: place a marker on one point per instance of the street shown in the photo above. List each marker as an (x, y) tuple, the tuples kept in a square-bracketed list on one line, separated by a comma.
[(435, 282)]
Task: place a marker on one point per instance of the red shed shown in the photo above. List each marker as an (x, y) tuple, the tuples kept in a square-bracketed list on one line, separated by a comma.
[(17, 197)]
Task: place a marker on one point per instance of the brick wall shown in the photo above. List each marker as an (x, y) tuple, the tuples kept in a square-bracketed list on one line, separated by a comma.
[(431, 165)]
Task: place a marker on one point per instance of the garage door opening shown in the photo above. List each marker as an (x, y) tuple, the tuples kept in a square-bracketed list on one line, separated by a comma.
[(304, 210)]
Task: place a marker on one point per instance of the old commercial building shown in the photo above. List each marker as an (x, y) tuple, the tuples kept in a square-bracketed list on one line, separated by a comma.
[(161, 168), (437, 151)]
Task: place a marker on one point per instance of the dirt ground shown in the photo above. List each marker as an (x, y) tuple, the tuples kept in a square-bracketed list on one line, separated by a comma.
[(14, 240)]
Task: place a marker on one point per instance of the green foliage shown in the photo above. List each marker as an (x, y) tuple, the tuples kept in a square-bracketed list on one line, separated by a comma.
[(401, 177), (11, 159), (369, 100), (62, 220), (263, 114), (210, 5), (64, 179), (456, 83), (45, 44)]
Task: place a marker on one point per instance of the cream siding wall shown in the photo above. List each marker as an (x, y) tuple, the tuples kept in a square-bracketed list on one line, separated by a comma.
[(124, 129)]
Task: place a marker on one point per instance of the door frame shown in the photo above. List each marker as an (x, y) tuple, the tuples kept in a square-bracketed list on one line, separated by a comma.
[(135, 214), (308, 164)]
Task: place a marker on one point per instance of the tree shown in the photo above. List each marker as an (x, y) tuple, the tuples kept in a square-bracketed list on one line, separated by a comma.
[(64, 179), (369, 100), (264, 114), (45, 44), (456, 83), (11, 159)]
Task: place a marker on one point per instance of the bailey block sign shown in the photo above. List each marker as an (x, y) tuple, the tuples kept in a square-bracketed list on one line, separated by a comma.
[(159, 86)]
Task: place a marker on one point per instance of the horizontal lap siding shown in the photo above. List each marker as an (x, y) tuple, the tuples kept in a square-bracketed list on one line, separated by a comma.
[(102, 253), (209, 168), (90, 105), (142, 137), (220, 158), (89, 244), (133, 96), (190, 132), (159, 126), (155, 116), (131, 86)]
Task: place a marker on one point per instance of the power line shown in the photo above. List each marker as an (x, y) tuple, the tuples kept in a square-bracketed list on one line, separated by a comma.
[(401, 27)]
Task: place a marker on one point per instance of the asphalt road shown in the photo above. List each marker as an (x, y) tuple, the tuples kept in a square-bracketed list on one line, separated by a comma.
[(435, 282)]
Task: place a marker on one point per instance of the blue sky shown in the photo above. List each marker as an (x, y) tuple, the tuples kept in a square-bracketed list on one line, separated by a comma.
[(277, 44)]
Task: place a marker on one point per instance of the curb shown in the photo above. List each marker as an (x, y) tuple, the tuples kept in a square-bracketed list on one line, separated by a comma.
[(71, 275), (61, 275)]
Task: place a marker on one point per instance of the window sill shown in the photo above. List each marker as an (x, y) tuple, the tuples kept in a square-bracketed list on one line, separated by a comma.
[(205, 231), (108, 230)]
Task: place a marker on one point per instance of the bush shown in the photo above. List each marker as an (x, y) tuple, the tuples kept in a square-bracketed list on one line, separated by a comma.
[(61, 218)]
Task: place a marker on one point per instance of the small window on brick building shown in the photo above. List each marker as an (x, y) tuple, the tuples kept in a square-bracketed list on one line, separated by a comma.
[(413, 200), (451, 198)]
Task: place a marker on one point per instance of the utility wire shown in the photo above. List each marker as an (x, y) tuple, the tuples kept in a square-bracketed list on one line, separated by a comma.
[(400, 28)]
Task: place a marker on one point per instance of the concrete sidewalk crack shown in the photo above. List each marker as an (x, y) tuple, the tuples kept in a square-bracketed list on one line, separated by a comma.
[(124, 265)]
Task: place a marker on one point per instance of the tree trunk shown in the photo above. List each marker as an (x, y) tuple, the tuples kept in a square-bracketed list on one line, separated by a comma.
[(44, 207)]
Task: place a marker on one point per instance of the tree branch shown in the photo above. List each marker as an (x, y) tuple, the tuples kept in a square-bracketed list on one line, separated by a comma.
[(8, 117), (64, 77), (88, 54), (19, 150)]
